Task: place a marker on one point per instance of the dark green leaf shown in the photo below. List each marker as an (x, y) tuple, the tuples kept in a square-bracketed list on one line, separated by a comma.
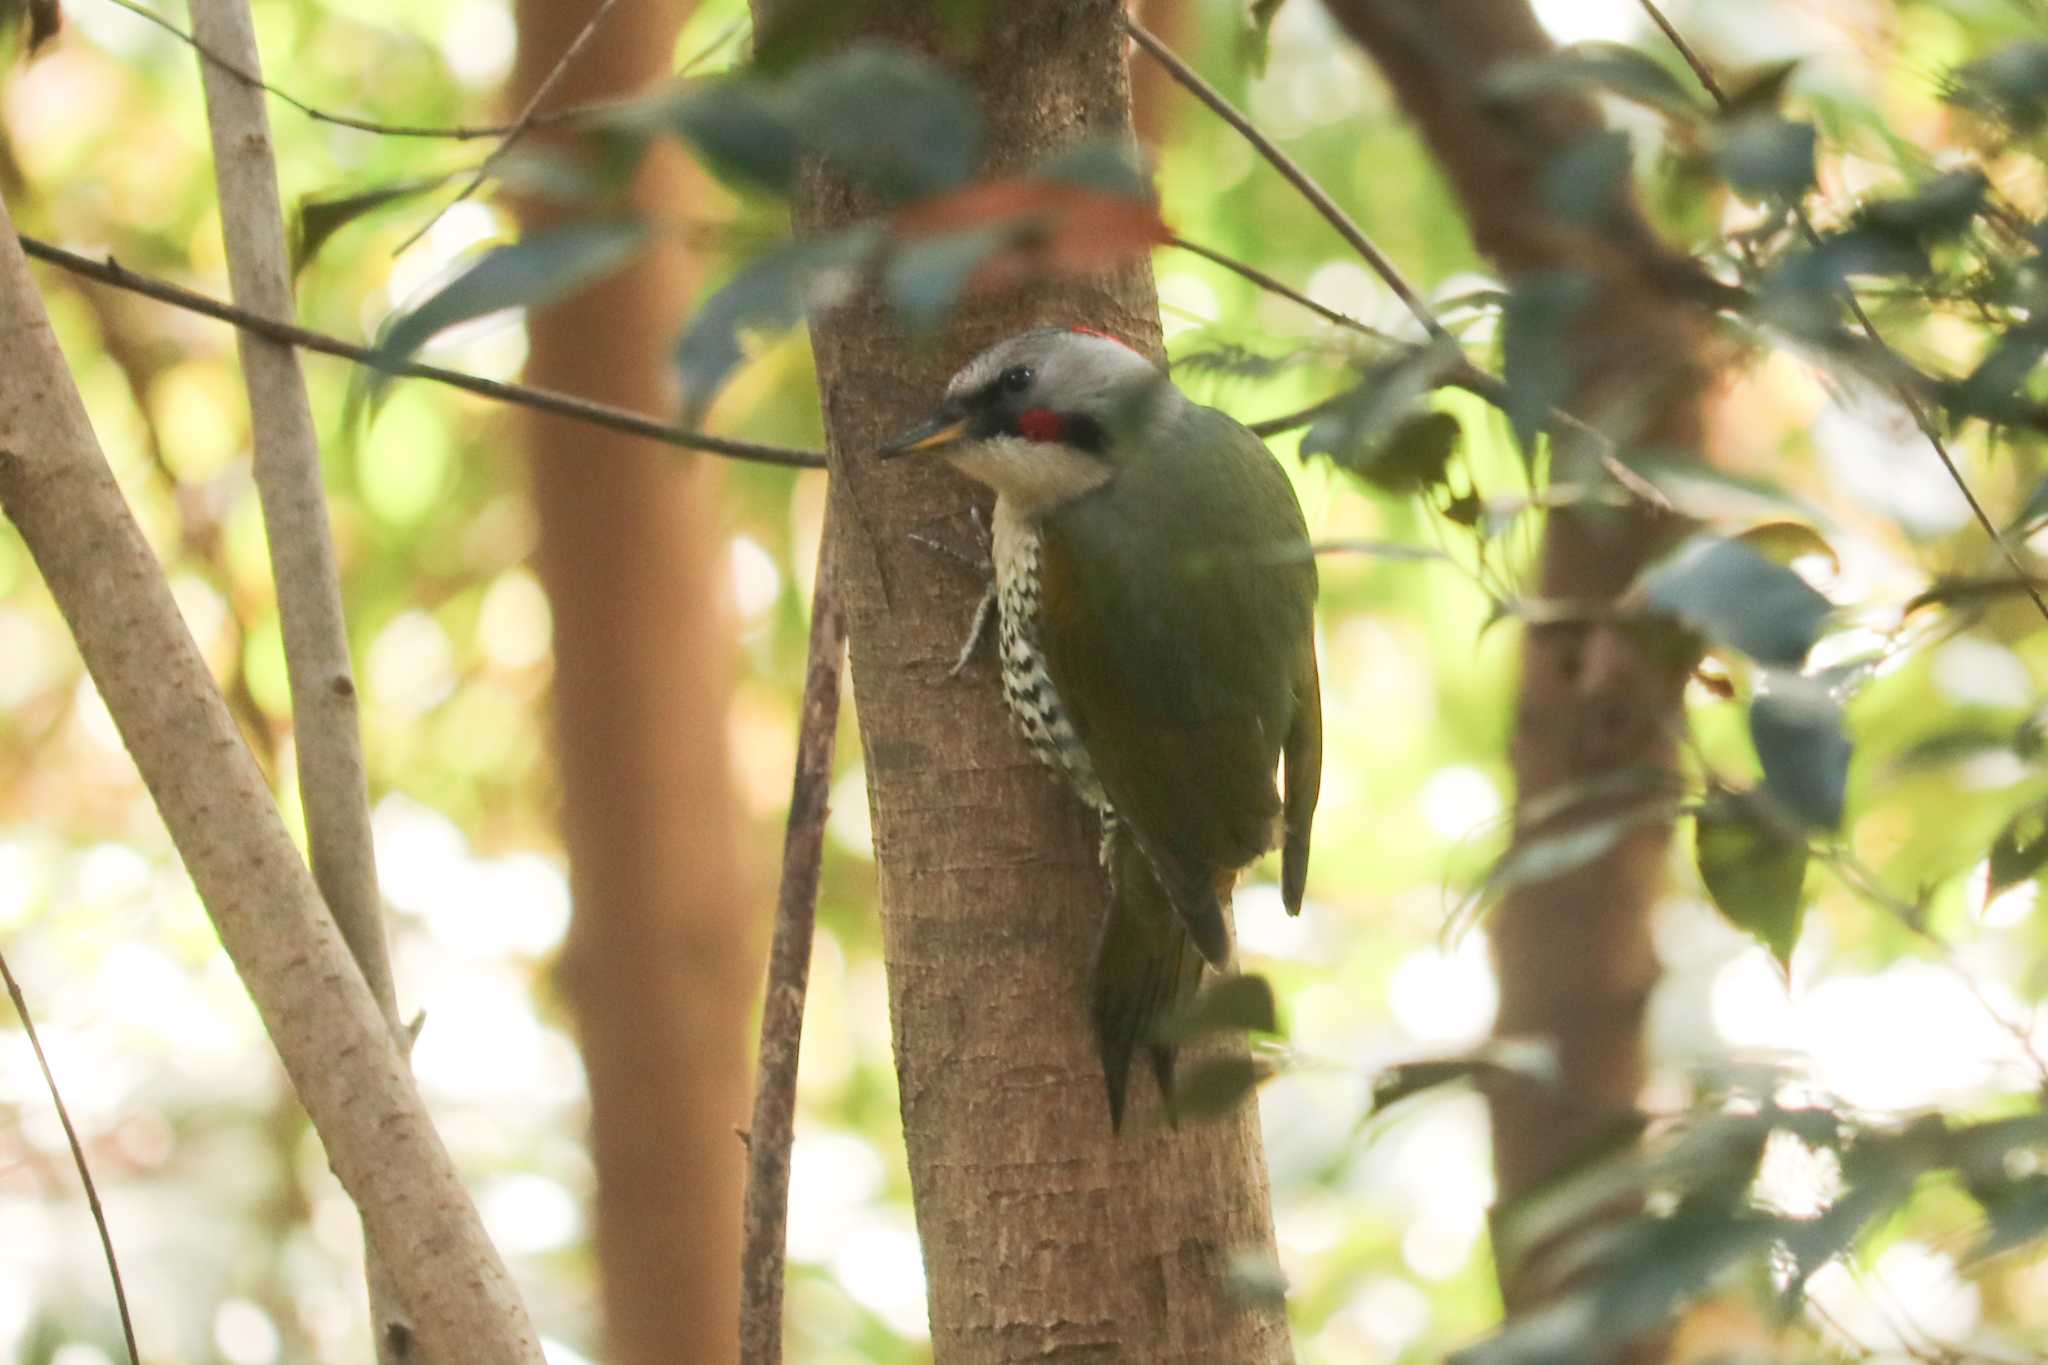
[(1757, 91), (1990, 389), (1233, 1004), (2011, 84), (1388, 392), (2018, 1216), (1535, 323), (529, 273), (1753, 870), (925, 277), (1607, 68), (1580, 183), (894, 122), (318, 219), (767, 295), (1543, 857), (1943, 207), (2035, 510), (1214, 1087), (1765, 157), (1797, 729), (1735, 596), (1100, 163), (2020, 850), (745, 133), (1255, 42)]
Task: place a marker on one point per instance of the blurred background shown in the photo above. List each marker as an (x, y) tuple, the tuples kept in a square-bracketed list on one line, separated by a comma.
[(466, 568)]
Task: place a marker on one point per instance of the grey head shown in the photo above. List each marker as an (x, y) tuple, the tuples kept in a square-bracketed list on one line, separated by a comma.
[(1040, 417)]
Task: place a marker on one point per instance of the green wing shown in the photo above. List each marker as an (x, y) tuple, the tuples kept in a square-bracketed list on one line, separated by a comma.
[(1177, 624)]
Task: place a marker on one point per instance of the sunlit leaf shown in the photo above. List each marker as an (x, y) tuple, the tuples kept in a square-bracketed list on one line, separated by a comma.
[(528, 273), (1595, 67), (1759, 90), (1797, 729), (1234, 1004), (1733, 595), (1753, 870), (1787, 542)]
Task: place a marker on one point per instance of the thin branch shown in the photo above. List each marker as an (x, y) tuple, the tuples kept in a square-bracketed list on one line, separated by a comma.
[(327, 728), (764, 1248), (1346, 228), (345, 1066), (110, 272), (1273, 285), (92, 1193), (521, 123), (1901, 388)]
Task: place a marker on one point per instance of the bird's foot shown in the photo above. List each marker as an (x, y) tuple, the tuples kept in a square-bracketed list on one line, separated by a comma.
[(978, 632), (977, 562)]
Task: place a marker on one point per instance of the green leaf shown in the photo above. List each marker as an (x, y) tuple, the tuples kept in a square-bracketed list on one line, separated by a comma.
[(2020, 850), (1535, 322), (2010, 84), (745, 133), (1759, 90), (1581, 183), (1255, 40), (1544, 857), (1753, 870), (1255, 1277), (318, 219), (1595, 67), (1233, 1004), (767, 295), (1990, 389), (1797, 729), (925, 277), (1388, 393), (1941, 208), (1734, 596), (2035, 510), (1765, 157), (1214, 1087), (1787, 542), (894, 122), (529, 273)]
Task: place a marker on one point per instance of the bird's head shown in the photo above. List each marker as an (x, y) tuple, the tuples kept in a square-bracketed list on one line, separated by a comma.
[(1041, 418)]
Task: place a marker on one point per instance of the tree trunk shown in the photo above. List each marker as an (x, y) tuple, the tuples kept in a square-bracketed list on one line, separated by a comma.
[(663, 958), (1045, 1235), (1574, 954)]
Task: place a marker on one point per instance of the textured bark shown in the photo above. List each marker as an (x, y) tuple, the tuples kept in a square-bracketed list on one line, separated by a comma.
[(1574, 952), (1045, 1236), (663, 958), (342, 1058)]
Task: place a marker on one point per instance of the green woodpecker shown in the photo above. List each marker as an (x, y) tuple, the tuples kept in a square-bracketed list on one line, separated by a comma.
[(1155, 593)]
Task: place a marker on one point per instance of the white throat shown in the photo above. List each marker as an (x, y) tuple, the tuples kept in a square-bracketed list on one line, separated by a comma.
[(1033, 477)]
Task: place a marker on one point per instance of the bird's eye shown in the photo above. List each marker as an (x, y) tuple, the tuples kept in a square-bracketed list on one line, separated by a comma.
[(1016, 379)]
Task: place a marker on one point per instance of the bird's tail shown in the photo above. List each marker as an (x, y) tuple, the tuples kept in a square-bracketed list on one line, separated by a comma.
[(1146, 967)]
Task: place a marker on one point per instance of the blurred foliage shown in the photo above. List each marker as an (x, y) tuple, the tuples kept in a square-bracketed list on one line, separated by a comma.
[(1846, 1149)]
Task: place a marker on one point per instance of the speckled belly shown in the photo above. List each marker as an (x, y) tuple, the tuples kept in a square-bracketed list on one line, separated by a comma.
[(1027, 687)]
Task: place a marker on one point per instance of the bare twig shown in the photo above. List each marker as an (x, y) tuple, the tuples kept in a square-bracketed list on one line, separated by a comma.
[(345, 1065), (92, 1193), (333, 782), (452, 134), (520, 124), (110, 272), (1273, 285), (1901, 388), (1346, 227), (789, 963)]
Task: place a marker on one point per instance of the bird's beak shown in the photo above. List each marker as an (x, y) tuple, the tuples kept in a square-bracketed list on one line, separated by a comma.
[(941, 428)]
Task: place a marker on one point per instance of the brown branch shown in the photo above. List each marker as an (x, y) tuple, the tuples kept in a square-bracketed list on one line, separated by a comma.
[(344, 1063), (1901, 388), (520, 124), (92, 1193), (1276, 286), (1191, 81), (789, 964), (111, 272)]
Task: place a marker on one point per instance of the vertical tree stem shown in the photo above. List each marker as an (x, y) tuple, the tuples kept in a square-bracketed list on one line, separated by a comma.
[(789, 968)]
